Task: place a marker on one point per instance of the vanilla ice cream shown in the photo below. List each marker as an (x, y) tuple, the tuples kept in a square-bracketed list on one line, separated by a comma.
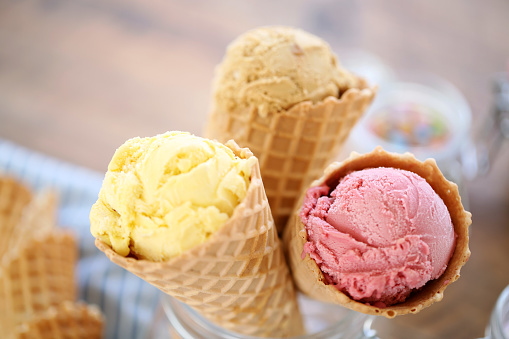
[(166, 194)]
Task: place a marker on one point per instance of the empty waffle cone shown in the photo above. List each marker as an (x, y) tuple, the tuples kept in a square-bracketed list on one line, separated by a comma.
[(238, 278), (37, 276), (295, 145), (14, 198), (38, 219), (66, 321), (308, 276)]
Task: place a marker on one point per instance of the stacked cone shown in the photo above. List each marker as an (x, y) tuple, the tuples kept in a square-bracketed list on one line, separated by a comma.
[(238, 278), (39, 276), (309, 278), (14, 197), (37, 268), (67, 320)]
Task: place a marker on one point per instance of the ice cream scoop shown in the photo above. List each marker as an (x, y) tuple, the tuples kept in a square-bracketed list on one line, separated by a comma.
[(271, 69), (282, 93), (379, 234), (166, 194)]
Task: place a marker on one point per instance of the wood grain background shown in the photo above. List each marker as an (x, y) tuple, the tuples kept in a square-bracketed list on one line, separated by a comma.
[(78, 78)]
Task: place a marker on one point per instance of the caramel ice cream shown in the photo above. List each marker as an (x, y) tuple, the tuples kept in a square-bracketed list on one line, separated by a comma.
[(273, 68), (282, 93)]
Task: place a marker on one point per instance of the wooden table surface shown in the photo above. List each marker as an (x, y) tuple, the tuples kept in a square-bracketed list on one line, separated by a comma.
[(78, 78)]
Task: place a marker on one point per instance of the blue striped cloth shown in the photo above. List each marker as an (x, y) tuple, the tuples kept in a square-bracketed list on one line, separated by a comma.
[(129, 303)]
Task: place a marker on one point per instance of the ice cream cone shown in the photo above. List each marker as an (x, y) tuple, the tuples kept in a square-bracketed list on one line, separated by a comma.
[(14, 197), (67, 320), (294, 145), (37, 276), (40, 216), (308, 276), (37, 220), (238, 278)]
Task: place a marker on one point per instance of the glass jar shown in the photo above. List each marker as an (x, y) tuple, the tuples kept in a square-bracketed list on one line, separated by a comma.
[(499, 321), (322, 321), (426, 115), (420, 113)]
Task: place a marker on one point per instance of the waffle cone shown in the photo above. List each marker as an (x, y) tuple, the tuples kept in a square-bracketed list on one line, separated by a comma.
[(295, 145), (37, 276), (37, 220), (238, 278), (14, 197), (308, 276), (67, 320)]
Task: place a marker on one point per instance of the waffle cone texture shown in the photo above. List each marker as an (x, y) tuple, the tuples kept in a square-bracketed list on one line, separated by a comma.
[(37, 277), (14, 198), (65, 321), (293, 146), (37, 270), (308, 276), (238, 278)]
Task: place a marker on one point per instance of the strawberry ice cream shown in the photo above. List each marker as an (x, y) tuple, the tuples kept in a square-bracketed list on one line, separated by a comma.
[(379, 235)]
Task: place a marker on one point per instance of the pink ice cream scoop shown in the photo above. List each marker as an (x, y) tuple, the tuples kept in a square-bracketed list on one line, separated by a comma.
[(381, 233)]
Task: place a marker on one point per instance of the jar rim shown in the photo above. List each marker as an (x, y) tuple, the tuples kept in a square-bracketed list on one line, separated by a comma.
[(500, 314), (188, 323)]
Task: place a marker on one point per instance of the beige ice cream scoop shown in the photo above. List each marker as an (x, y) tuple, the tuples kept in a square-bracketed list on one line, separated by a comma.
[(273, 68), (282, 93)]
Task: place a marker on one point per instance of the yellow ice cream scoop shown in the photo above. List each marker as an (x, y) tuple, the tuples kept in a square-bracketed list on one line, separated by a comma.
[(165, 194)]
